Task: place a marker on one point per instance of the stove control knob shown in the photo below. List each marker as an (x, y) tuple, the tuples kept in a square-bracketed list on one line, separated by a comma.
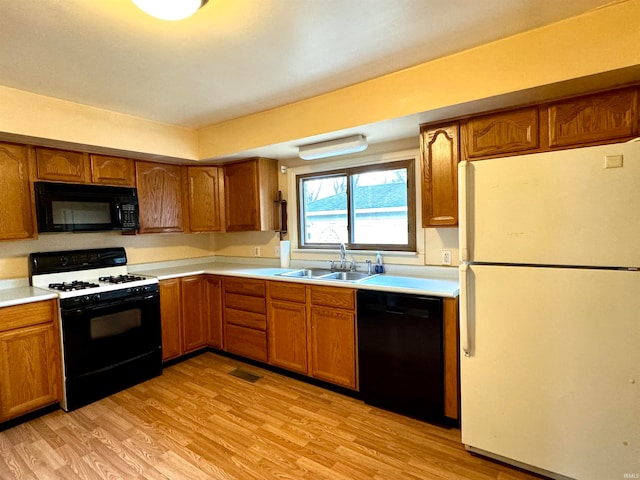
[(137, 289)]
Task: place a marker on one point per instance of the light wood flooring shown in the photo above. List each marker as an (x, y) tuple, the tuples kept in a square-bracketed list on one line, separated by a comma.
[(198, 422)]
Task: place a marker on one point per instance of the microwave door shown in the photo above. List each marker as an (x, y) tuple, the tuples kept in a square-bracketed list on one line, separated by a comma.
[(81, 215)]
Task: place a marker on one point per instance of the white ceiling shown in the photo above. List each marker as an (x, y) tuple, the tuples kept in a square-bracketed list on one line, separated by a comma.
[(237, 57)]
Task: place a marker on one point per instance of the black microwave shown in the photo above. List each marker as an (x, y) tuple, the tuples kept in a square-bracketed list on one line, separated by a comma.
[(68, 207)]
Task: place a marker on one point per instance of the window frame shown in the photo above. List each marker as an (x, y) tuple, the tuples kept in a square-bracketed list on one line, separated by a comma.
[(409, 164)]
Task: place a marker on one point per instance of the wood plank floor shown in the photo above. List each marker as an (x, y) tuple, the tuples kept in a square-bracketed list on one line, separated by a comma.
[(198, 422)]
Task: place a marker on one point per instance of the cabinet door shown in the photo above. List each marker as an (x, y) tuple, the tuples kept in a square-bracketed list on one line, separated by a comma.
[(241, 190), (596, 118), (205, 198), (333, 357), (62, 165), (170, 315), (195, 328), (29, 369), (214, 302), (160, 197), (440, 155), (287, 334), (16, 212), (515, 131), (113, 171)]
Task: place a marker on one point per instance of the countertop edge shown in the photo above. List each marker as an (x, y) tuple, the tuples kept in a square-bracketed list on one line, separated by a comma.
[(447, 287)]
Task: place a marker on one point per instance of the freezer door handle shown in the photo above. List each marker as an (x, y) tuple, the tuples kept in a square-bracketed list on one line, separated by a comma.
[(464, 312), (463, 220)]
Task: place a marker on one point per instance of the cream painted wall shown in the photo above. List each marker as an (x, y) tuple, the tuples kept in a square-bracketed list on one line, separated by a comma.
[(140, 248), (31, 115), (598, 41)]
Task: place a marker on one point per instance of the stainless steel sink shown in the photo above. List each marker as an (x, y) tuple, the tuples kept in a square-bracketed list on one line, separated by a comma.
[(326, 274), (307, 273), (348, 276)]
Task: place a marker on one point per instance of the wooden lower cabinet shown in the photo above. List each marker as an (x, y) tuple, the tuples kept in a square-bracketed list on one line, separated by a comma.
[(288, 335), (451, 342), (333, 355), (190, 311), (171, 318), (30, 376), (245, 317), (215, 336), (195, 327), (248, 342)]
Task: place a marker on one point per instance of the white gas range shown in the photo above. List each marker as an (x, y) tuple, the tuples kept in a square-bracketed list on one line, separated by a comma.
[(109, 321)]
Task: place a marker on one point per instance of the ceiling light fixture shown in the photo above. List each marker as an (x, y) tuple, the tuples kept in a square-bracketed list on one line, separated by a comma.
[(170, 9), (332, 148)]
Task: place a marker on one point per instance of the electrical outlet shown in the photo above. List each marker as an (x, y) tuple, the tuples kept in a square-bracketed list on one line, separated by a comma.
[(446, 257), (276, 250), (256, 251)]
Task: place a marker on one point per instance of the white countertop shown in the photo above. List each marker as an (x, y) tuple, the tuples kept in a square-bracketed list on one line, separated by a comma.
[(20, 295), (441, 285), (435, 281)]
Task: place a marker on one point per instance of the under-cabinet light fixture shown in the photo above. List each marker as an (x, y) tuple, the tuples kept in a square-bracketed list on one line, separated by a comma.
[(170, 9), (332, 148)]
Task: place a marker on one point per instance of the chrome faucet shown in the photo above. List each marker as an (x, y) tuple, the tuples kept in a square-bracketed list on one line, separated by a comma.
[(343, 256)]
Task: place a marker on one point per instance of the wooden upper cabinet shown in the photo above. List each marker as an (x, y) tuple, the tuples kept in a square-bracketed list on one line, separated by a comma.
[(113, 171), (250, 188), (439, 149), (205, 198), (16, 212), (514, 131), (160, 197), (595, 118), (62, 165)]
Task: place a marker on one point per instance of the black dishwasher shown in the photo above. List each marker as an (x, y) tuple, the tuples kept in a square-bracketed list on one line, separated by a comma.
[(400, 353)]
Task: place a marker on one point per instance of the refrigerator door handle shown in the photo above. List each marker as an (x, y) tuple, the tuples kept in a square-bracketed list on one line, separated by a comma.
[(464, 312), (463, 205)]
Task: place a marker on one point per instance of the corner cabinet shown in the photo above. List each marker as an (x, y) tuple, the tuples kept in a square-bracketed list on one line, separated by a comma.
[(250, 188), (439, 149), (160, 197), (190, 313), (30, 362), (16, 210)]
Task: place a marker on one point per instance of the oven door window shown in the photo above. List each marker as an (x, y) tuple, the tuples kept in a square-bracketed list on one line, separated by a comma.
[(101, 337)]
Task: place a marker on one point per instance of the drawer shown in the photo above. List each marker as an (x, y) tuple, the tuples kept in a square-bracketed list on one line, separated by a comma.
[(27, 314), (245, 319), (245, 286), (293, 292), (246, 342), (333, 297), (246, 303)]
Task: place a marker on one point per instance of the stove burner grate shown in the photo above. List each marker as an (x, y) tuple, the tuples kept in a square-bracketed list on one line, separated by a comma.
[(121, 279), (70, 286)]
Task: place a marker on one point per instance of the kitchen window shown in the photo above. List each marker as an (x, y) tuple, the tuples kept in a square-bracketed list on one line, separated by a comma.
[(366, 208)]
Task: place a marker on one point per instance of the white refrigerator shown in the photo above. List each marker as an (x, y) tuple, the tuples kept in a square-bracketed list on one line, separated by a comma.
[(550, 311)]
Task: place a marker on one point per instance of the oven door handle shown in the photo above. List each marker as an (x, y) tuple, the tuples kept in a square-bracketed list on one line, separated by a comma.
[(121, 302)]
